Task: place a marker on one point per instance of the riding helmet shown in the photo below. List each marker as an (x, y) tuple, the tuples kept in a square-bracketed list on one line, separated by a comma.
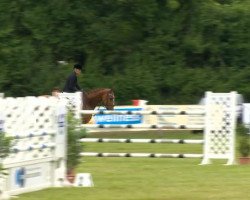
[(78, 66)]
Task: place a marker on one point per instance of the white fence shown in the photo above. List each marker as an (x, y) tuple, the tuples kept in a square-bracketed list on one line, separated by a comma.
[(218, 124)]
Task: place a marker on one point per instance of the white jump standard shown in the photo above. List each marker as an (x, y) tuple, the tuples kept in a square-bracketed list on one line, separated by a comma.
[(38, 156)]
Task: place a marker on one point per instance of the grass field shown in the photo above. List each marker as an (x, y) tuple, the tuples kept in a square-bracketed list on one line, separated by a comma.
[(153, 178)]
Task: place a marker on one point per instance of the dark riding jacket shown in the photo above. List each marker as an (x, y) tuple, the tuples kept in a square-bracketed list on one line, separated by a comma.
[(71, 84)]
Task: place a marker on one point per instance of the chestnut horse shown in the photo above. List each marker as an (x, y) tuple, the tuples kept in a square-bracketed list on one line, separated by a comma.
[(97, 97)]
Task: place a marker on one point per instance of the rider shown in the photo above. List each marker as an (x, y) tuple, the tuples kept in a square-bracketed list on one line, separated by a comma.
[(71, 84)]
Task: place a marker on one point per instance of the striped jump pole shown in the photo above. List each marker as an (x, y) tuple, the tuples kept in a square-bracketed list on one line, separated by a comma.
[(33, 134), (32, 147), (118, 140), (143, 126), (135, 112), (141, 155)]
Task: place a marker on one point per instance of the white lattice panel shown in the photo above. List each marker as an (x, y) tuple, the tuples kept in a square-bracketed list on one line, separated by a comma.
[(220, 127), (32, 122), (38, 128)]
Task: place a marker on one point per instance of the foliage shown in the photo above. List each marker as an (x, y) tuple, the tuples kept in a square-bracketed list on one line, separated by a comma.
[(5, 144), (74, 146), (165, 51), (244, 147), (244, 140), (5, 148)]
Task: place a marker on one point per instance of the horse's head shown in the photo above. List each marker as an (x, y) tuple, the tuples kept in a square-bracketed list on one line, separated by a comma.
[(97, 97), (109, 99)]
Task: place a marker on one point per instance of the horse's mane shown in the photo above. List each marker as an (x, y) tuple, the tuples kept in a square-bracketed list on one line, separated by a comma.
[(97, 90)]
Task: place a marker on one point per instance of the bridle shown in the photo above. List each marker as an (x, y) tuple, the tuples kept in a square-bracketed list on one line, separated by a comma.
[(110, 98)]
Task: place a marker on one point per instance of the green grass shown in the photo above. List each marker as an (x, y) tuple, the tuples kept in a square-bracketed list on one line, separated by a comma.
[(148, 134), (153, 178)]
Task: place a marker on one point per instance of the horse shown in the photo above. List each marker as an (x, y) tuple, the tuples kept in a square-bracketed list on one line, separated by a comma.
[(97, 97)]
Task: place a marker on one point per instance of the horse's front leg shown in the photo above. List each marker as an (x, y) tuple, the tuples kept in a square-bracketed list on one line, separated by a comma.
[(86, 119)]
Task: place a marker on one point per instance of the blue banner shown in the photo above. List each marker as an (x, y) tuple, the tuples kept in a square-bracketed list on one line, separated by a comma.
[(119, 119)]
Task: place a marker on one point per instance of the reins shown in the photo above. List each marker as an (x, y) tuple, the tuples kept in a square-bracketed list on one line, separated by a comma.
[(97, 98)]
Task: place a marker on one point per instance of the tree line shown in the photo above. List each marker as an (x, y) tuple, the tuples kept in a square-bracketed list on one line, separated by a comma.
[(165, 51)]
